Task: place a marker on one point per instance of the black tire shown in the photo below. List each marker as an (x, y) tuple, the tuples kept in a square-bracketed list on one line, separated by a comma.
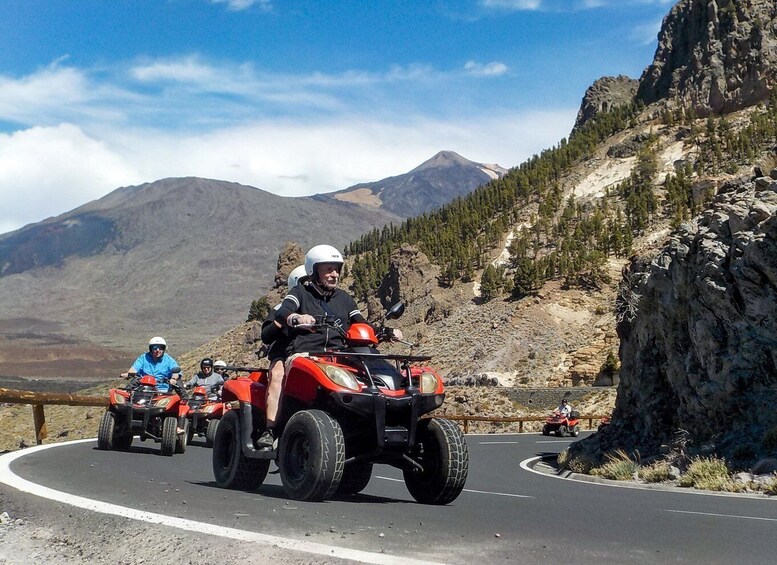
[(169, 435), (311, 455), (122, 442), (545, 430), (105, 432), (575, 431), (442, 452), (182, 440), (356, 476), (210, 433), (561, 431), (231, 468)]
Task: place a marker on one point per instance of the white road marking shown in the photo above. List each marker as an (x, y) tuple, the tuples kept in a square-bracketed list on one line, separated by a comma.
[(23, 485), (723, 515), (466, 489)]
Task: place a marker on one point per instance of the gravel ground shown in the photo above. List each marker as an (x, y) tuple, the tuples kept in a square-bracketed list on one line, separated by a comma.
[(35, 530)]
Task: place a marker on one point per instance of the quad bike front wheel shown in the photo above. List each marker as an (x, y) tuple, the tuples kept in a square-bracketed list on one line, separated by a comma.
[(356, 476), (231, 468), (169, 435), (210, 432), (561, 431), (106, 431), (546, 430), (311, 455), (442, 453)]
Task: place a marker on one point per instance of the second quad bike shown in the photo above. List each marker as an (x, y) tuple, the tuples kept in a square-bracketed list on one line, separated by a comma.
[(204, 411), (141, 409), (341, 413), (562, 425)]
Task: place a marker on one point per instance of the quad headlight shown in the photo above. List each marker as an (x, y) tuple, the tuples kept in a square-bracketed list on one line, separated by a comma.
[(341, 377), (428, 383), (162, 402)]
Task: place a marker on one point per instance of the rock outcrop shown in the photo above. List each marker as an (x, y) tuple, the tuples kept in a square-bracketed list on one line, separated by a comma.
[(605, 94), (698, 332), (714, 56)]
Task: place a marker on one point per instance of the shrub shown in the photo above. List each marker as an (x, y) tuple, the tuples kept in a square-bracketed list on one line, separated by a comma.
[(769, 440), (657, 472), (581, 464), (620, 467), (770, 487), (709, 474)]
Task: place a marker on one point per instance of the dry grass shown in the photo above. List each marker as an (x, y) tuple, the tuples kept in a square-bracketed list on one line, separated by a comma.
[(709, 473), (619, 467), (657, 472)]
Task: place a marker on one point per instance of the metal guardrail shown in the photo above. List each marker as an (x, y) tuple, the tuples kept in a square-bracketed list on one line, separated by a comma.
[(39, 399), (510, 420)]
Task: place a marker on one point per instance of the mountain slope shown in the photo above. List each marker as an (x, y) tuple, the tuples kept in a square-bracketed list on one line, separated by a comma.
[(435, 182)]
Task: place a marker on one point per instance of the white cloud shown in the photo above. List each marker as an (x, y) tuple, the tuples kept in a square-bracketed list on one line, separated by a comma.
[(492, 69), (48, 171), (646, 33), (239, 5), (513, 4), (45, 171), (562, 5)]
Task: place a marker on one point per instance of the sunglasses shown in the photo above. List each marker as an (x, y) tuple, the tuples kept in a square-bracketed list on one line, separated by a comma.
[(157, 347)]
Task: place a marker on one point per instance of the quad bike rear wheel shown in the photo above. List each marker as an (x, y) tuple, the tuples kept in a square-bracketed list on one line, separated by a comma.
[(230, 467), (442, 453), (311, 455), (575, 431), (181, 440), (356, 476), (210, 432), (169, 435)]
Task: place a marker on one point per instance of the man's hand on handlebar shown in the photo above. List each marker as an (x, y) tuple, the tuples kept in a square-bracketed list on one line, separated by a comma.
[(303, 320)]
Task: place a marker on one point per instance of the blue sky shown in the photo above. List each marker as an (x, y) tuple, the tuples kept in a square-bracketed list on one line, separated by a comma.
[(293, 97)]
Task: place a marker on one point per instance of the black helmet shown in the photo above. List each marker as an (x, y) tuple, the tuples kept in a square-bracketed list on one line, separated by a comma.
[(207, 362)]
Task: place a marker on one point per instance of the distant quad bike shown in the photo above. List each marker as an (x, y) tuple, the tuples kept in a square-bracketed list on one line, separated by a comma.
[(204, 410), (341, 413), (142, 410), (562, 425)]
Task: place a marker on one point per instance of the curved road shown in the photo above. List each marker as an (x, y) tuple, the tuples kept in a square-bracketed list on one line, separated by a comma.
[(506, 513)]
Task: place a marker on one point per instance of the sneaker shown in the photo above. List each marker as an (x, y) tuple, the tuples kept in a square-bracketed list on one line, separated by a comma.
[(266, 440)]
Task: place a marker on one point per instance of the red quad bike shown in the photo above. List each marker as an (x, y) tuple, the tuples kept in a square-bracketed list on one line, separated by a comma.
[(562, 425), (140, 409), (341, 413), (204, 410)]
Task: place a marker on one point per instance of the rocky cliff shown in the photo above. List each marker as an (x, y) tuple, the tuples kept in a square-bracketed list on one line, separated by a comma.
[(698, 330), (714, 56), (605, 94)]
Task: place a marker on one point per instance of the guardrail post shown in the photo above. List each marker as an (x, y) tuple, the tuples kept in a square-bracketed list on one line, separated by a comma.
[(39, 419), (466, 425), (520, 427)]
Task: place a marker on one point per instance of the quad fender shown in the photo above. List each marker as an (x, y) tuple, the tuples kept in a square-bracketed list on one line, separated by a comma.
[(304, 380), (245, 391)]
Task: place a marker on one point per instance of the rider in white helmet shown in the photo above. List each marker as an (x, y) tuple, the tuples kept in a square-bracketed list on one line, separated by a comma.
[(157, 363), (318, 297), (220, 367)]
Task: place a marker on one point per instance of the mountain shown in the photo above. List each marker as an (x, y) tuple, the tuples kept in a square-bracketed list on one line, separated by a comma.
[(180, 257), (646, 239), (433, 183)]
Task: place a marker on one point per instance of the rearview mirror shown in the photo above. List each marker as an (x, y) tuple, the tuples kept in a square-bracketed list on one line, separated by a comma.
[(396, 311)]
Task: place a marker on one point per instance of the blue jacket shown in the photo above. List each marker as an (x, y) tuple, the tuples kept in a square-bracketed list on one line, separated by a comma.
[(161, 369)]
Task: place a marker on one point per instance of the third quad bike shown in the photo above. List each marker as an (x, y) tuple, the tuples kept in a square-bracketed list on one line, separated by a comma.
[(341, 413), (204, 410), (562, 425), (142, 409)]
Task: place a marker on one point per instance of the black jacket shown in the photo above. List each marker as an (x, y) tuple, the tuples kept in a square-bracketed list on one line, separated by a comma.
[(308, 299)]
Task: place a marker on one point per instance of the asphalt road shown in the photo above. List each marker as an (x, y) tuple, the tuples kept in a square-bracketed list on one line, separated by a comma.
[(505, 514)]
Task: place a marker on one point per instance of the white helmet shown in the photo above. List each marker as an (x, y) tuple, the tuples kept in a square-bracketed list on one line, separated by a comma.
[(321, 254), (156, 340), (219, 363), (296, 275)]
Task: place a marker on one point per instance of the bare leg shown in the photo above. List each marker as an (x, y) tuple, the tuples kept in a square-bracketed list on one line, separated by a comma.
[(275, 378)]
